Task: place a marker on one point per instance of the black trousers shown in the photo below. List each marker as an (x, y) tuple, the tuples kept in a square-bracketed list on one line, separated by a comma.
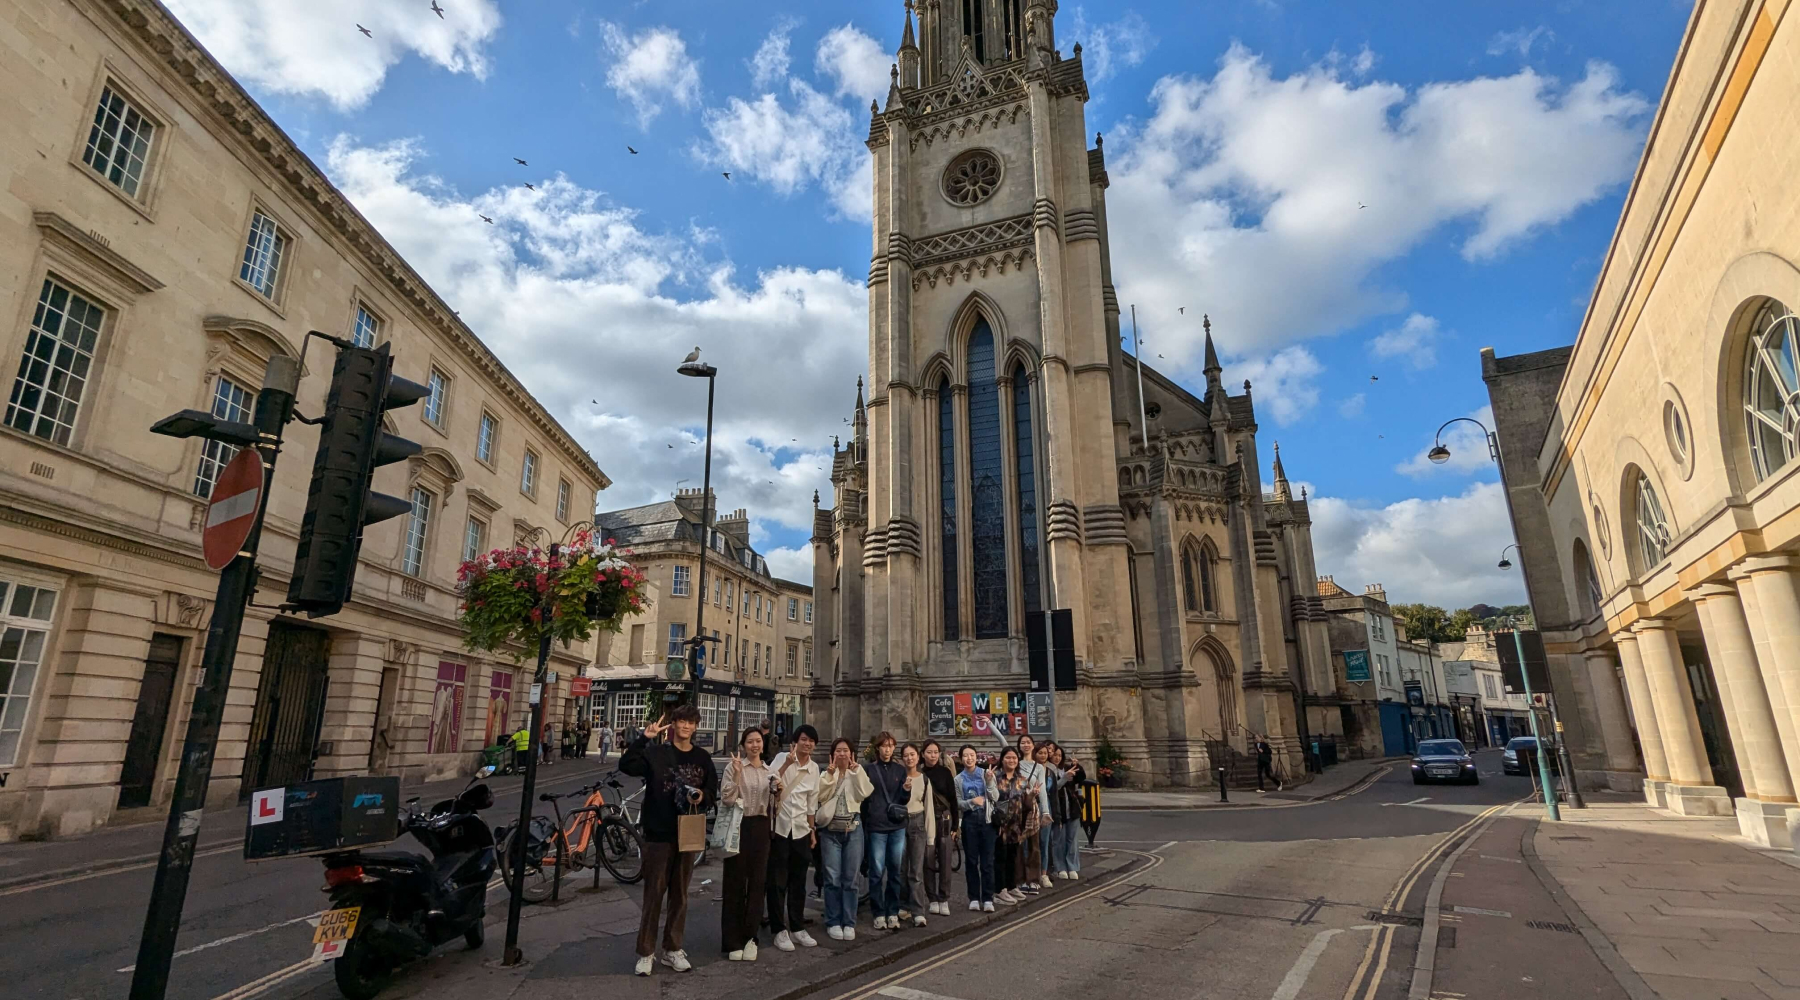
[(1262, 769), (788, 858), (1009, 862), (744, 875)]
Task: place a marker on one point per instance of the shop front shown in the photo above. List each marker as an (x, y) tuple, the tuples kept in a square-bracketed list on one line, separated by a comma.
[(726, 709)]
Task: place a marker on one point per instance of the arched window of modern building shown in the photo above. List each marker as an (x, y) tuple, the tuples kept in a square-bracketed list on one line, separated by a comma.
[(949, 553), (1771, 380), (1653, 528)]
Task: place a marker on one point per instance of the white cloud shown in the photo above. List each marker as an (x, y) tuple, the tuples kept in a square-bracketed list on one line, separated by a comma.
[(314, 49), (650, 68), (1468, 446), (795, 563), (771, 61), (1519, 40), (1242, 191), (583, 305), (791, 146), (1352, 408), (1414, 341), (1105, 48), (1283, 382), (857, 64), (1439, 551)]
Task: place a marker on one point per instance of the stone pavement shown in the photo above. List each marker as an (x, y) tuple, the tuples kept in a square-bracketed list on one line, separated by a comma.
[(1346, 778), (1682, 905), (586, 947)]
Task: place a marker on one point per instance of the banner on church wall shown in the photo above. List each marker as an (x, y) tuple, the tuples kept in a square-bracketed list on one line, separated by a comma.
[(940, 715), (986, 713)]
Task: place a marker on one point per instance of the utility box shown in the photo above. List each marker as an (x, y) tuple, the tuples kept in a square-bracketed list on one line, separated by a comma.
[(320, 817)]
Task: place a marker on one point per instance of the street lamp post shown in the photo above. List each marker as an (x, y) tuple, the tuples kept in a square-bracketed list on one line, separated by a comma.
[(693, 367), (1439, 454)]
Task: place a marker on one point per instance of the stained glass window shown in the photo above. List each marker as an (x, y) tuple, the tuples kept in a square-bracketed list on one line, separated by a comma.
[(1027, 479), (987, 493), (947, 514)]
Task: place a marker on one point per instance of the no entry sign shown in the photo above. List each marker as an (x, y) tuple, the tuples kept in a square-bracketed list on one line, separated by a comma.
[(232, 509)]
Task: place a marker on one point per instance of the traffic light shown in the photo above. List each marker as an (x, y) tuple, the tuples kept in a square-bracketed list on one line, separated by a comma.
[(339, 503)]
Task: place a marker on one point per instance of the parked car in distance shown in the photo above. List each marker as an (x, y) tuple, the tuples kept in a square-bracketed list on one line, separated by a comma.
[(1443, 760), (1520, 756)]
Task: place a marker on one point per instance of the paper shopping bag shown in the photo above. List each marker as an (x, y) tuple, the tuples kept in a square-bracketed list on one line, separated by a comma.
[(690, 832)]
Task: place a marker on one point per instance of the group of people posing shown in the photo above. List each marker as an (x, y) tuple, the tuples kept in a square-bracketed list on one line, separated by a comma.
[(903, 817)]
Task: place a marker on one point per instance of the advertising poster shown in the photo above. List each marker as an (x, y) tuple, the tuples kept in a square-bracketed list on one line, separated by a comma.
[(1000, 725), (445, 732), (1040, 707), (940, 713), (997, 703), (500, 685), (978, 702), (963, 703)]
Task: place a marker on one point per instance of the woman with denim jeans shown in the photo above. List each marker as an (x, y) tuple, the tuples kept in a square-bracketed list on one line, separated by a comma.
[(842, 790), (884, 815), (1065, 809), (975, 795)]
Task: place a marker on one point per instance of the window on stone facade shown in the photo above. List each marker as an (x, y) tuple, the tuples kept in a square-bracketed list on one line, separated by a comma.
[(562, 499), (678, 581), (987, 493), (809, 612), (439, 385), (628, 709), (793, 609), (412, 559), (118, 145), (528, 471), (474, 539), (1190, 576), (58, 359), (230, 402), (793, 658), (25, 615), (975, 27), (677, 638), (263, 252), (951, 556), (1771, 381), (1209, 599), (728, 650), (484, 438), (809, 661), (1024, 473), (1014, 26), (1653, 527), (367, 328)]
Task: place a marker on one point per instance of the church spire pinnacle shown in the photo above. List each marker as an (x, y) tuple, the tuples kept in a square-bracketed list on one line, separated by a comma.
[(1282, 490), (1214, 386), (860, 423)]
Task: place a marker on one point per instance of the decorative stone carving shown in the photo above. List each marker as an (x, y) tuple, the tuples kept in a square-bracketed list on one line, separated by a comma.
[(1065, 521), (1081, 224), (1105, 524), (966, 270), (178, 610), (399, 652), (974, 240), (972, 178)]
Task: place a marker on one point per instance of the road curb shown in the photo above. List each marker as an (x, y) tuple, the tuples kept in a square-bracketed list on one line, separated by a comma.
[(1627, 977), (1360, 785), (1425, 959)]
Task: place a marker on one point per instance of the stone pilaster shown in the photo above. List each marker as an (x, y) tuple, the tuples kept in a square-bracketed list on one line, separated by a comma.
[(1768, 787), (1691, 790)]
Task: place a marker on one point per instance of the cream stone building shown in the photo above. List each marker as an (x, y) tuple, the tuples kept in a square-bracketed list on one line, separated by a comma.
[(162, 239), (757, 665), (1651, 466), (1002, 458)]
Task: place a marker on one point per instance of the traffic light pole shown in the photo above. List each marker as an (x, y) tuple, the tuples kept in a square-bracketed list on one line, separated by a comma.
[(511, 955), (162, 923)]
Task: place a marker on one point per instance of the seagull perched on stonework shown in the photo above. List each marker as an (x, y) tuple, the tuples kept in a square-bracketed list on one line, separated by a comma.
[(693, 356), (366, 32), (435, 9)]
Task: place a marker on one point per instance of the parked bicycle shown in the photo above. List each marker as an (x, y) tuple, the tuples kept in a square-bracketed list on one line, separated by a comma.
[(595, 835)]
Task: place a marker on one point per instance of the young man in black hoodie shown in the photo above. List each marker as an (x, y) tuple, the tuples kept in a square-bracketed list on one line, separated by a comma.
[(678, 778)]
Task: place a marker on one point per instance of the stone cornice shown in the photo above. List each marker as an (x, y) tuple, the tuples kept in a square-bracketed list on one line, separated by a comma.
[(96, 251), (166, 41)]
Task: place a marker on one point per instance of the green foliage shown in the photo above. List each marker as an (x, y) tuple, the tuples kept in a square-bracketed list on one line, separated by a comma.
[(509, 593), (1428, 622), (1107, 757)]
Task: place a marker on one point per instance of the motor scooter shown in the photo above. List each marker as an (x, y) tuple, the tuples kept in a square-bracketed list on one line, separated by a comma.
[(389, 908)]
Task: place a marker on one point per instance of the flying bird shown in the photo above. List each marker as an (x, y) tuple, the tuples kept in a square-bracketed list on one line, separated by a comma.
[(693, 355), (1360, 206), (671, 447), (529, 186), (520, 162), (1182, 310), (485, 219), (1374, 378), (596, 402), (366, 32), (435, 9), (727, 174), (633, 152)]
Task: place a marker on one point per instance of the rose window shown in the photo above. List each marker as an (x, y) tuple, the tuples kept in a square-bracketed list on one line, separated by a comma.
[(972, 177)]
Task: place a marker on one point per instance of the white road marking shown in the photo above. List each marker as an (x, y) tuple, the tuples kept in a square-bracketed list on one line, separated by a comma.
[(257, 987), (1490, 857), (907, 993), (1478, 911), (1414, 802), (235, 937), (33, 886), (1166, 846), (1295, 980)]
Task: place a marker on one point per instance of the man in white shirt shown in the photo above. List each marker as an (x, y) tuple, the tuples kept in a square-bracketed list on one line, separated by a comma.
[(791, 840)]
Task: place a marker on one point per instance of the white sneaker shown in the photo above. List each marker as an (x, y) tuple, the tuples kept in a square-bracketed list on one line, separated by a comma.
[(836, 933), (677, 960), (805, 940), (1063, 875), (1074, 876), (784, 941), (645, 964), (849, 933), (749, 951), (919, 920), (1045, 881), (975, 905), (987, 907), (1006, 896), (736, 956)]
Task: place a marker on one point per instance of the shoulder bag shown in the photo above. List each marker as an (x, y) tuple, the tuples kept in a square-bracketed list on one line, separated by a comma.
[(844, 820), (896, 811)]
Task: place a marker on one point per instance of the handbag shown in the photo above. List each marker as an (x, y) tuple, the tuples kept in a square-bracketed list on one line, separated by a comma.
[(843, 821), (896, 811), (727, 829)]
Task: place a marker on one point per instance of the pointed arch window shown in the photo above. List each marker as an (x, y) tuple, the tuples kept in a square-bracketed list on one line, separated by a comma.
[(1209, 600), (1014, 26), (987, 490), (1771, 381), (1025, 475), (951, 556), (974, 21), (1190, 577)]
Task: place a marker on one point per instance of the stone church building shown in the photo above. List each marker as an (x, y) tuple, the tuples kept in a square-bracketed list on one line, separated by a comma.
[(1000, 463)]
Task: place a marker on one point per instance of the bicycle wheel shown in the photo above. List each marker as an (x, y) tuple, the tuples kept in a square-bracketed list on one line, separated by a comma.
[(541, 873), (621, 850)]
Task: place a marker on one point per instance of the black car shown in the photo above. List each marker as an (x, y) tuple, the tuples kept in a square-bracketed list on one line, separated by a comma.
[(1443, 760), (1520, 756)]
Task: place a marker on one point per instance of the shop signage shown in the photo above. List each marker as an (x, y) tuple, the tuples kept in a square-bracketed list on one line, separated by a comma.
[(1356, 666), (1415, 693)]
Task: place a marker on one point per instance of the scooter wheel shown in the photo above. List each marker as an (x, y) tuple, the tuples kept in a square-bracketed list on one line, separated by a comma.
[(475, 936), (360, 973)]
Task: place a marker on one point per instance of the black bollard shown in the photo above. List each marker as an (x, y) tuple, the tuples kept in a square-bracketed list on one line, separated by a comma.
[(1222, 795)]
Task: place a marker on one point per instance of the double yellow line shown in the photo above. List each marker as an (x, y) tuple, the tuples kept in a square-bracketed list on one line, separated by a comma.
[(1381, 942)]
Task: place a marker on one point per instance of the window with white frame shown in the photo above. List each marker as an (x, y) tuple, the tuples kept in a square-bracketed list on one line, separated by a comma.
[(1381, 661), (484, 438), (628, 709), (1487, 684), (528, 474), (26, 612), (58, 360), (367, 328), (438, 386), (756, 663), (746, 610), (752, 712), (677, 639), (809, 612), (793, 659), (718, 588), (679, 581), (118, 145), (809, 661), (730, 595), (230, 402), (1771, 381), (562, 499), (1653, 527), (710, 716), (474, 539), (793, 609), (263, 251), (412, 559), (727, 661)]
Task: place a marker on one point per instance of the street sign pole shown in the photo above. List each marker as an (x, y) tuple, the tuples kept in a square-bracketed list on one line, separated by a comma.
[(162, 922), (1543, 760)]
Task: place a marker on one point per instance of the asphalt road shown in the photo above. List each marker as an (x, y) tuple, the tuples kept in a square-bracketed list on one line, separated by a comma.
[(1234, 899)]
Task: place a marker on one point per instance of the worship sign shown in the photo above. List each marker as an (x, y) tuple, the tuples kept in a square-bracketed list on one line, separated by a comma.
[(1356, 666), (1041, 710)]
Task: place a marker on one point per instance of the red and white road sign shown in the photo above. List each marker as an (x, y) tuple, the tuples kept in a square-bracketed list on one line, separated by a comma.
[(232, 509), (580, 687)]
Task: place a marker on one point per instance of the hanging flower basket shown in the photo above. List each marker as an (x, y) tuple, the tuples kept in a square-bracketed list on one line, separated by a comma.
[(512, 597)]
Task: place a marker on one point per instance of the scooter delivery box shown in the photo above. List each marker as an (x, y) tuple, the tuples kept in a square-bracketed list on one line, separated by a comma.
[(319, 817)]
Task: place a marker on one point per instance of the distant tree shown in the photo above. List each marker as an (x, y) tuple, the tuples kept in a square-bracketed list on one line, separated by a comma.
[(1425, 622), (1482, 612), (1460, 622)]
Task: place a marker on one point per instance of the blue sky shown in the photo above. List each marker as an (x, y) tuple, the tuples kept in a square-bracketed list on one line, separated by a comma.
[(1487, 143)]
